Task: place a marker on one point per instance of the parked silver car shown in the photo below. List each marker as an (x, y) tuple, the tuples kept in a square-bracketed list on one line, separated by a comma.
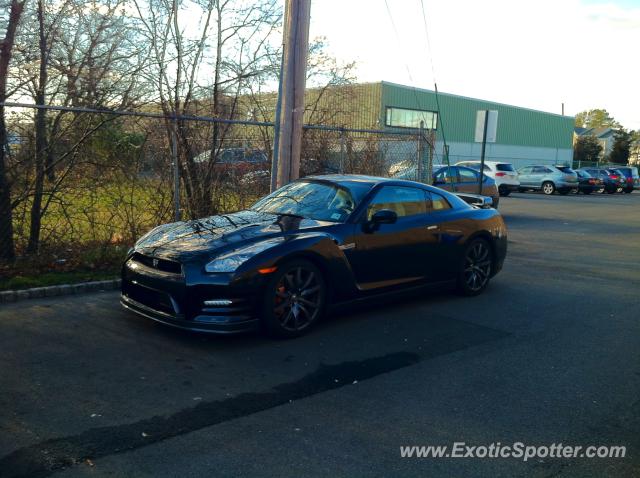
[(547, 179)]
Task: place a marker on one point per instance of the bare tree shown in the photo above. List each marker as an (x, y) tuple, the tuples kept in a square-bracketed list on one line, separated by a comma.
[(7, 249), (203, 69), (73, 53)]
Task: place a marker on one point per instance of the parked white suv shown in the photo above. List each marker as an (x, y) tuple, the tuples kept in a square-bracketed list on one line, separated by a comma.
[(504, 174)]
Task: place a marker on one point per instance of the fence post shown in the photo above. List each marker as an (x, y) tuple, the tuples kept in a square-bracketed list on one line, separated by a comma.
[(420, 153), (176, 168), (342, 149), (430, 157)]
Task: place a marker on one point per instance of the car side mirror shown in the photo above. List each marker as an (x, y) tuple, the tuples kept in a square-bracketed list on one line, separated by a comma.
[(384, 216)]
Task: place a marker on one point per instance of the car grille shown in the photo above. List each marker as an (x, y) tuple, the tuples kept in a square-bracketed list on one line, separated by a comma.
[(157, 263), (153, 299)]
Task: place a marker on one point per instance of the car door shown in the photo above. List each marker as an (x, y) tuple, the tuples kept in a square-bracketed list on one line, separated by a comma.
[(444, 230), (524, 175), (538, 175), (468, 180), (446, 178), (393, 253)]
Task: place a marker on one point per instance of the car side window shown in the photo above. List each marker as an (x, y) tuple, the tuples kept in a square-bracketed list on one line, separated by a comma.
[(467, 176), (526, 170), (404, 201), (438, 202), (447, 175), (540, 170)]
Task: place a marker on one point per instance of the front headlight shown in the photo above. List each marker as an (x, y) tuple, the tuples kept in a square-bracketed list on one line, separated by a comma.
[(230, 261)]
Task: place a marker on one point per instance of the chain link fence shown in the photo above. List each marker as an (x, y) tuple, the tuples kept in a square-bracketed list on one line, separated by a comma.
[(105, 178)]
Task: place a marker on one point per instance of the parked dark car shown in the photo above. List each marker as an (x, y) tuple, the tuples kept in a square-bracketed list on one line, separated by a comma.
[(235, 162), (316, 241), (465, 180), (621, 180), (610, 183), (632, 180), (587, 183)]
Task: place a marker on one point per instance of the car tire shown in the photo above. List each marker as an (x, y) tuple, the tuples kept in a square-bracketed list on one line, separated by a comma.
[(504, 191), (294, 299), (548, 188), (475, 268), (628, 190)]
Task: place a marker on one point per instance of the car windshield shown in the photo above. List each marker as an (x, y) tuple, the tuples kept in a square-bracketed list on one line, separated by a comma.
[(320, 201)]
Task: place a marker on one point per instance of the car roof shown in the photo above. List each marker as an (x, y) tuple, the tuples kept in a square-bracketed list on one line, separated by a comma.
[(349, 178), (477, 161), (346, 179)]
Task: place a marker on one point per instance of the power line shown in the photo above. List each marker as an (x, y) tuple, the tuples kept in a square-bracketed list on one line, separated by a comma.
[(433, 72), (406, 65), (426, 33), (395, 31)]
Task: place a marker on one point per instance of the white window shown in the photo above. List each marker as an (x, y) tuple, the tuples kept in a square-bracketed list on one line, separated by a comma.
[(408, 118)]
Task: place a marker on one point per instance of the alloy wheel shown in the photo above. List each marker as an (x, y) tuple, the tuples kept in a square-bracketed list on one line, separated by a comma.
[(298, 299), (477, 266), (547, 188)]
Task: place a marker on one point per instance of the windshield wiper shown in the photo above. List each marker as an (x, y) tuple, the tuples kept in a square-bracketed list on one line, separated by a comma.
[(229, 219)]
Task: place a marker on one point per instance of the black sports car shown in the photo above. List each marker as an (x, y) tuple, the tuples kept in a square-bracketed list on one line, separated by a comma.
[(315, 242)]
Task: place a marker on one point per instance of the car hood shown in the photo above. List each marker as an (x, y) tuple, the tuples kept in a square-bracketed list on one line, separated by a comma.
[(180, 240)]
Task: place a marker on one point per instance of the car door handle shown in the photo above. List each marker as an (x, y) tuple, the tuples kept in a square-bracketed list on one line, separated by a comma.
[(432, 228)]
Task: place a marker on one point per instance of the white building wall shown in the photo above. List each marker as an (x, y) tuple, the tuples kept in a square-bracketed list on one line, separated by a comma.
[(519, 156)]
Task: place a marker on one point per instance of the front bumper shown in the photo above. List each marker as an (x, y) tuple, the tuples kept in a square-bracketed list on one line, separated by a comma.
[(178, 300)]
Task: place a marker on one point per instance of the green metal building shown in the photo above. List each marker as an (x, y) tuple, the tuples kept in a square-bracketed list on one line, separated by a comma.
[(523, 136)]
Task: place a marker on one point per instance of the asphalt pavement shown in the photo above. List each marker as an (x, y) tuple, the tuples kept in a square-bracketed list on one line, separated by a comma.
[(550, 353)]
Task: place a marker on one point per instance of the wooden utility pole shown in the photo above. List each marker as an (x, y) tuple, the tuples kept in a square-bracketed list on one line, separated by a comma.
[(296, 45)]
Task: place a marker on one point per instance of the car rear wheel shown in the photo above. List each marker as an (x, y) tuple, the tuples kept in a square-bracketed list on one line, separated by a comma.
[(548, 188), (628, 190), (475, 269), (504, 191), (294, 299)]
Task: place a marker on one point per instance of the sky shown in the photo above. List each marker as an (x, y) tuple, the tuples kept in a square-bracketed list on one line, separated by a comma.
[(535, 54)]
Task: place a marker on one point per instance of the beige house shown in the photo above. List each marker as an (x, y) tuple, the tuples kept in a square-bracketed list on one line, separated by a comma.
[(605, 136)]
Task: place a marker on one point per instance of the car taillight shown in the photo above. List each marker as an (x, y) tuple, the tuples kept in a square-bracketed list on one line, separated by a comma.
[(501, 174), (613, 176)]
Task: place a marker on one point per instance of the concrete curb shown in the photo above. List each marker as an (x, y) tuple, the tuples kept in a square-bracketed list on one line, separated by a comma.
[(58, 290)]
